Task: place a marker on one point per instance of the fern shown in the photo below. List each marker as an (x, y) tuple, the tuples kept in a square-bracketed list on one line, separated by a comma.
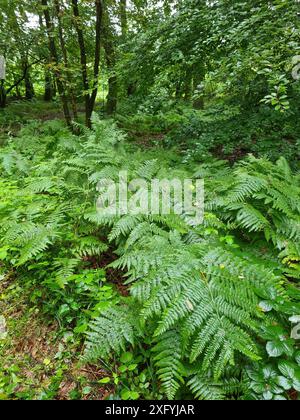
[(168, 356), (89, 246), (203, 388), (116, 328), (199, 294)]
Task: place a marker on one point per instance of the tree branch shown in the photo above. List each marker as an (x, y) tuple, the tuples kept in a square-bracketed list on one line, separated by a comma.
[(26, 68)]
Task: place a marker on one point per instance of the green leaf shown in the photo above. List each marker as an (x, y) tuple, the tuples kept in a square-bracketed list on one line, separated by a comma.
[(132, 367), (126, 357), (285, 383), (86, 390), (81, 329), (125, 394), (274, 349), (104, 380), (268, 395), (287, 369), (3, 253)]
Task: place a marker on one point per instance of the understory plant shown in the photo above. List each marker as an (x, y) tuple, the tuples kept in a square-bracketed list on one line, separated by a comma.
[(211, 306)]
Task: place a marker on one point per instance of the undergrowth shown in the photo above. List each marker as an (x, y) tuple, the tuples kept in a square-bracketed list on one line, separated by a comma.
[(204, 311)]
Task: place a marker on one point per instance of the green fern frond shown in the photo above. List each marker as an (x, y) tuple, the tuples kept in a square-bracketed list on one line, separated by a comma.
[(204, 388), (168, 356), (250, 218), (89, 246), (111, 332)]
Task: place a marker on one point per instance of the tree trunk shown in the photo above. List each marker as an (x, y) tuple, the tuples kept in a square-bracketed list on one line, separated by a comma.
[(112, 97), (199, 75), (83, 61), (188, 85), (29, 89), (99, 20), (123, 17), (2, 95), (18, 92), (89, 99), (110, 55), (49, 88), (54, 57), (49, 85), (66, 61)]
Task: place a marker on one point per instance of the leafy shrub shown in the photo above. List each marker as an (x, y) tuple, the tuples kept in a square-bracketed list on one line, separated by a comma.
[(230, 132)]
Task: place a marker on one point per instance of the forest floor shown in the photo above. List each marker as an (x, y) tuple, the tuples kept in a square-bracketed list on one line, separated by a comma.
[(37, 359)]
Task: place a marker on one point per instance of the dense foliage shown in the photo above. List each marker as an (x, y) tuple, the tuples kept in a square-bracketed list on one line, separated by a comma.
[(155, 306), (205, 298)]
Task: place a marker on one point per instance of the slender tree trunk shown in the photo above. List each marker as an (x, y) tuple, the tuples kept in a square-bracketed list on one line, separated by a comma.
[(48, 81), (112, 97), (29, 89), (65, 57), (49, 88), (83, 61), (90, 99), (199, 74), (54, 57), (110, 55), (188, 85), (123, 17), (18, 92), (99, 20), (2, 95)]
